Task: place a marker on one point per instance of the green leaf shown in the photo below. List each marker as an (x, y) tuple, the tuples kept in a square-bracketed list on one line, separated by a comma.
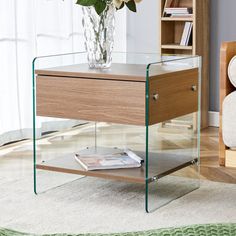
[(100, 6), (131, 5), (86, 3)]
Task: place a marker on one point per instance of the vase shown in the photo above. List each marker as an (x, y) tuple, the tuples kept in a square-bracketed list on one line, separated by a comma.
[(99, 36)]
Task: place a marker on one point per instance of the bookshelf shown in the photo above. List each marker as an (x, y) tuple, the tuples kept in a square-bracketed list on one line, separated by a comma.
[(171, 31)]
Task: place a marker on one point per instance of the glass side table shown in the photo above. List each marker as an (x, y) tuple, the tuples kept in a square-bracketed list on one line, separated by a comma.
[(124, 106)]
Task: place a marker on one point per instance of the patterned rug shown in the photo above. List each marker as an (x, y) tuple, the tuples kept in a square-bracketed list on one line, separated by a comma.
[(196, 230)]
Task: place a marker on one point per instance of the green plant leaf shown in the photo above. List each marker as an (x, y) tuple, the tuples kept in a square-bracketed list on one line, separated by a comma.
[(86, 3), (100, 6), (131, 5)]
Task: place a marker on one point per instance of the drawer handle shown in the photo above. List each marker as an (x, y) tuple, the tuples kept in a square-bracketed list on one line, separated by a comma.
[(155, 96), (194, 88)]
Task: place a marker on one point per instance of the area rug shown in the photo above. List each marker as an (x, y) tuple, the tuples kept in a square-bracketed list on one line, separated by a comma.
[(91, 205), (196, 230)]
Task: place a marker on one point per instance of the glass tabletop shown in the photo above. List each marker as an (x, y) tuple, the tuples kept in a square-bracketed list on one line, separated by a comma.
[(125, 66)]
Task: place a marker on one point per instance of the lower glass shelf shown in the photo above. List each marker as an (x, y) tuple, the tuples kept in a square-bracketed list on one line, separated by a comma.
[(160, 165)]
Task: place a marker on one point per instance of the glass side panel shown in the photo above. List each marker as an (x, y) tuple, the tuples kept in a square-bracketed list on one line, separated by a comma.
[(121, 136), (173, 128), (55, 144), (55, 137)]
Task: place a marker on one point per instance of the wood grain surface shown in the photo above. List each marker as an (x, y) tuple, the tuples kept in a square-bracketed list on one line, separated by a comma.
[(171, 30), (121, 72), (160, 164), (230, 158), (175, 96), (201, 47), (118, 101), (91, 99)]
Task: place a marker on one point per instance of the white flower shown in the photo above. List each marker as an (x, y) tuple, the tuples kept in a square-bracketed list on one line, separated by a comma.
[(118, 3)]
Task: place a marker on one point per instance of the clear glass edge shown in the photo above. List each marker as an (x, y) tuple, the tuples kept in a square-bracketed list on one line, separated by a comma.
[(147, 119), (34, 124), (169, 57)]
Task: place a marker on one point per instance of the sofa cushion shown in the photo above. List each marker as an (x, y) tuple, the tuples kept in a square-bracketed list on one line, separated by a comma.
[(229, 120), (232, 71)]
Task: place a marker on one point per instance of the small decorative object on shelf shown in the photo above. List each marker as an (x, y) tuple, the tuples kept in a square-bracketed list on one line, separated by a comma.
[(99, 27)]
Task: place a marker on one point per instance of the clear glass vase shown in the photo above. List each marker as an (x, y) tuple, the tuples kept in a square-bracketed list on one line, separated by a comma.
[(99, 36)]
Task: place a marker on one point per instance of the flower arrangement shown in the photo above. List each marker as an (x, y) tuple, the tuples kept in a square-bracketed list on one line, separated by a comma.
[(100, 5), (99, 26)]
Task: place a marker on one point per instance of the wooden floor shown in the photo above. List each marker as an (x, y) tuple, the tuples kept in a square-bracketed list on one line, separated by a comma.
[(210, 168)]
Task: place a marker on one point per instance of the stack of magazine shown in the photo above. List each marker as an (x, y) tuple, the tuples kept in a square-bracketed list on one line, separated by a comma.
[(115, 160), (178, 12)]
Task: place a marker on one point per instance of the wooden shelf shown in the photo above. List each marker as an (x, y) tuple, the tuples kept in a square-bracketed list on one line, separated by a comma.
[(160, 165), (177, 19), (171, 31), (176, 46)]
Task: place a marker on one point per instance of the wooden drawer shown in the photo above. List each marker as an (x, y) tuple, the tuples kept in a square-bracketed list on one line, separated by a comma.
[(118, 101), (175, 95), (91, 99)]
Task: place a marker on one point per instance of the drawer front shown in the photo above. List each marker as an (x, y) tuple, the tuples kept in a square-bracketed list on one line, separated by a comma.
[(91, 99), (176, 95)]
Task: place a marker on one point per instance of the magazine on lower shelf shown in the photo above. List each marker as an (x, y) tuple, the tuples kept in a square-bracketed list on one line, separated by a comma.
[(120, 159)]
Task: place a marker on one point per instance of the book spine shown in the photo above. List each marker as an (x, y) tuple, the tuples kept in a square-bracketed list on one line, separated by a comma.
[(189, 34), (185, 34)]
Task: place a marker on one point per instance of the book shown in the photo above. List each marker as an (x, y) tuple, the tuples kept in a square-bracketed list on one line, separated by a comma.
[(186, 34), (187, 42), (178, 9), (182, 15), (117, 159), (169, 4), (169, 12)]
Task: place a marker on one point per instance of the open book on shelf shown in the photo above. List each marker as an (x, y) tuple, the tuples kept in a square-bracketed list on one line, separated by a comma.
[(116, 159)]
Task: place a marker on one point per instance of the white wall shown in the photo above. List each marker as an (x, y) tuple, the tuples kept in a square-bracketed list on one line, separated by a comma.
[(120, 31), (69, 30), (143, 27), (223, 20)]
